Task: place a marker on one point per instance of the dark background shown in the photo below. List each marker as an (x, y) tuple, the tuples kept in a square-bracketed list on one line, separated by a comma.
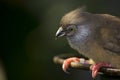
[(28, 30)]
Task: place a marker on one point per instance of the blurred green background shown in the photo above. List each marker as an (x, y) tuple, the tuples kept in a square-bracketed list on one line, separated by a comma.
[(28, 37)]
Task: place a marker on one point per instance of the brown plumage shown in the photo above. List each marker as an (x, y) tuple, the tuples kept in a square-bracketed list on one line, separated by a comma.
[(96, 36)]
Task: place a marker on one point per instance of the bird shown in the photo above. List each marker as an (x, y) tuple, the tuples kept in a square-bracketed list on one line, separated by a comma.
[(96, 36)]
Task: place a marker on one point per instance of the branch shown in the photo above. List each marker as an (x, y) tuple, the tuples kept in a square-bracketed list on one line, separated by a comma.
[(108, 71)]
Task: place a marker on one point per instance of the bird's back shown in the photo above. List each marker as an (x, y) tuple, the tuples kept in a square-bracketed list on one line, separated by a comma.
[(110, 34), (107, 46)]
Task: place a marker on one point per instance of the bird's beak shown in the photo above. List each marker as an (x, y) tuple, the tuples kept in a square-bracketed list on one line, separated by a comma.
[(60, 32)]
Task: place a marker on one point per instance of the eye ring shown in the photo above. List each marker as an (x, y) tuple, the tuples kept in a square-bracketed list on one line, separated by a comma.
[(71, 27)]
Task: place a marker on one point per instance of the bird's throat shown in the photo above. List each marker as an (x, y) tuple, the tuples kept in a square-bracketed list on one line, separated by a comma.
[(81, 40)]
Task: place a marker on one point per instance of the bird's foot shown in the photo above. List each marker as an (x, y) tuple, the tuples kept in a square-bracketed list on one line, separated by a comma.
[(95, 68), (68, 61)]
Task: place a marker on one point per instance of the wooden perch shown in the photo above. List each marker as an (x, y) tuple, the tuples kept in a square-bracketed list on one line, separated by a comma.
[(108, 71)]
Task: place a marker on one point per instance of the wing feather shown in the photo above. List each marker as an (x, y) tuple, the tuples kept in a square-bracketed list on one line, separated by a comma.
[(111, 39)]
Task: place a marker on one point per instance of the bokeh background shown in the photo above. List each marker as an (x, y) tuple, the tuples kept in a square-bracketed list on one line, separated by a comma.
[(28, 37)]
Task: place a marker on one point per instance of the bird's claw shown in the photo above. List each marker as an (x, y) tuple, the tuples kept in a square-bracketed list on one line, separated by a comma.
[(68, 61), (95, 68)]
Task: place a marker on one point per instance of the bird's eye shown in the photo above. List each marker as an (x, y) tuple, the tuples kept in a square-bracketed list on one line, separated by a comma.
[(71, 28)]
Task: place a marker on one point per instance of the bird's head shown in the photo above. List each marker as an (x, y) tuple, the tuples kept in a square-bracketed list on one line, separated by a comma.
[(72, 23), (67, 31), (75, 26)]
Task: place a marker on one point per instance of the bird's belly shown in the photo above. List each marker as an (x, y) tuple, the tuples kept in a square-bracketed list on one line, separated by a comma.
[(114, 60), (96, 53)]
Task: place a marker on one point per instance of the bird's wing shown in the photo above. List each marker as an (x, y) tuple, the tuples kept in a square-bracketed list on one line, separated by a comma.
[(111, 39)]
